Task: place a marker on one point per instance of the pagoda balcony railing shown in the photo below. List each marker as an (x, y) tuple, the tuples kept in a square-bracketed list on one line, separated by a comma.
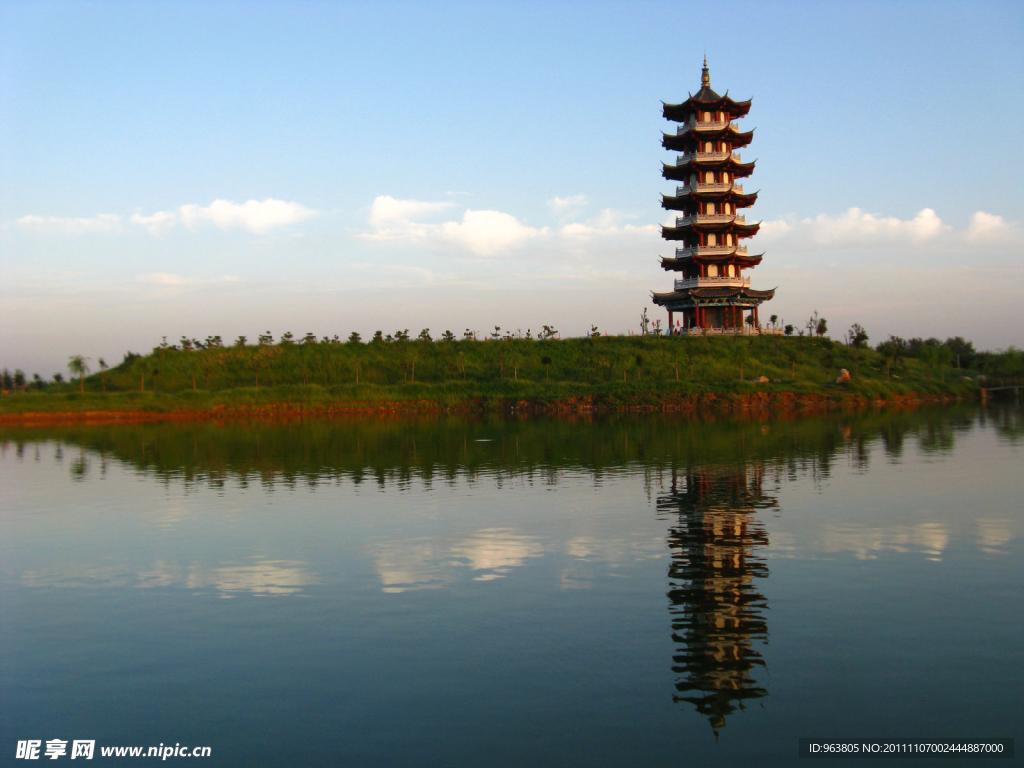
[(746, 330), (712, 282), (706, 126), (723, 155), (711, 250), (685, 189), (704, 218), (710, 125)]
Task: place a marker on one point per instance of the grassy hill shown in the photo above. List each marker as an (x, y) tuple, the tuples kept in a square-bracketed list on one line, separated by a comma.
[(619, 370)]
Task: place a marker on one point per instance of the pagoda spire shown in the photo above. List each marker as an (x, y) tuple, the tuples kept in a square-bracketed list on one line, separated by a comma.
[(705, 77)]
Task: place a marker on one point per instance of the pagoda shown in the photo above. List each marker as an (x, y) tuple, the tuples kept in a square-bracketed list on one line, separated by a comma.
[(711, 293)]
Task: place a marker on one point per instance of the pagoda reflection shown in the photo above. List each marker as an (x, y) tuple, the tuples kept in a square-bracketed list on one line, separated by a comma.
[(718, 614)]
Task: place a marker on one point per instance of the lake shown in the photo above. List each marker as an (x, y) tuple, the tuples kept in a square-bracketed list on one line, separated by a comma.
[(598, 591)]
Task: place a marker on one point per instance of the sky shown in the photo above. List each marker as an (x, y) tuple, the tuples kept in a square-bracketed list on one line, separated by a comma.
[(204, 168)]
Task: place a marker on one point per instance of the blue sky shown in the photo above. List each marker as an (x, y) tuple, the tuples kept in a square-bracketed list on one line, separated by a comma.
[(206, 168)]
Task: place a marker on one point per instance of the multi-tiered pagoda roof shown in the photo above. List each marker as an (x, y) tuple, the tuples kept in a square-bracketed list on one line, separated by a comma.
[(711, 256)]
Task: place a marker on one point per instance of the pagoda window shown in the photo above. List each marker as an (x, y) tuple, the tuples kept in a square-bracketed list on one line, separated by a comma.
[(707, 146), (712, 240), (728, 239), (709, 177), (713, 270), (732, 271), (711, 209), (707, 117)]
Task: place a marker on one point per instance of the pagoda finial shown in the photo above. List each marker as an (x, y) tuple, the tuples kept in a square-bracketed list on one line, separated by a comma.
[(705, 78)]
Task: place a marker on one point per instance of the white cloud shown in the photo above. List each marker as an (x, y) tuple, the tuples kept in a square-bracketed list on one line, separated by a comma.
[(560, 204), (105, 223), (605, 224), (857, 228), (159, 224), (387, 212), (495, 233), (253, 215), (487, 232), (482, 233), (987, 227)]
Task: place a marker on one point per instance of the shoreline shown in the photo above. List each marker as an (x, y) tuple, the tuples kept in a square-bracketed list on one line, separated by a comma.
[(779, 403)]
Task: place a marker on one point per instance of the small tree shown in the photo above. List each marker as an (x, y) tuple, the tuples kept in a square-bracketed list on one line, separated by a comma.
[(656, 325), (103, 370), (424, 335), (774, 320), (788, 330), (594, 333), (821, 327), (266, 339), (309, 338), (19, 380), (58, 378), (644, 322), (378, 337), (811, 324), (241, 341), (857, 337), (355, 338), (639, 364), (546, 362), (548, 333), (447, 336), (79, 366), (287, 338)]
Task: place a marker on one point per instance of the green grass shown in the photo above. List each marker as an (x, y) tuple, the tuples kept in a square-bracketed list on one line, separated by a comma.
[(615, 370)]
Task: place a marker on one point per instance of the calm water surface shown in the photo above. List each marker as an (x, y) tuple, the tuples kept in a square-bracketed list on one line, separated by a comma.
[(621, 591)]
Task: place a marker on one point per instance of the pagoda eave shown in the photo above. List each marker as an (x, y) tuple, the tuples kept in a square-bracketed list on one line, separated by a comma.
[(688, 140), (724, 164), (696, 132), (740, 199), (672, 264), (705, 99), (740, 230), (712, 297)]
